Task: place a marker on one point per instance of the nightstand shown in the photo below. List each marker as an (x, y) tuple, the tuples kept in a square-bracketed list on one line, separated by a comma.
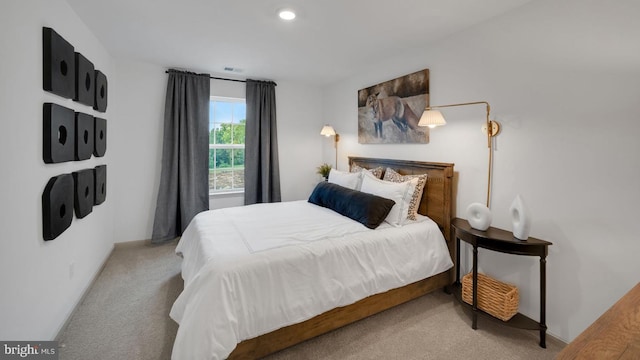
[(501, 241)]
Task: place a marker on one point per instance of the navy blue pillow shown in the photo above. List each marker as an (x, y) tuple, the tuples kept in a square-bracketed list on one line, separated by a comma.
[(367, 209)]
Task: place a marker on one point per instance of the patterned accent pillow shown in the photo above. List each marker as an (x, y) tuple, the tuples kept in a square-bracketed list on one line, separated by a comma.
[(392, 175), (377, 172)]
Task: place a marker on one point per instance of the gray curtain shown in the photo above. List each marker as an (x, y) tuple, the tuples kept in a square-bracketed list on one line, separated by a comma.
[(261, 169), (184, 181)]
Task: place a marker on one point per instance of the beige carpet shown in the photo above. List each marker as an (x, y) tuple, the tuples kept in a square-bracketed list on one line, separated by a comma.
[(125, 316)]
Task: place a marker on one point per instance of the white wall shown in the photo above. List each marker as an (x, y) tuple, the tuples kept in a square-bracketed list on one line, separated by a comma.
[(140, 115), (563, 78), (300, 119), (42, 281)]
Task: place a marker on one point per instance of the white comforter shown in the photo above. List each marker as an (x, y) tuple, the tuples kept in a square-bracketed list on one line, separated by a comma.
[(254, 269)]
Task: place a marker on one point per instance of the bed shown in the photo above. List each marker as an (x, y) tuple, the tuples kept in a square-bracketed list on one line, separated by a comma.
[(266, 291)]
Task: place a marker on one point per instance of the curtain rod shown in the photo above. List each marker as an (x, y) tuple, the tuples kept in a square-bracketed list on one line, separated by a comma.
[(226, 79)]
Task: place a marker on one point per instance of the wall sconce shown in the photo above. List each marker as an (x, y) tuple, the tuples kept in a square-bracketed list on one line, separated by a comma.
[(491, 128), (327, 131)]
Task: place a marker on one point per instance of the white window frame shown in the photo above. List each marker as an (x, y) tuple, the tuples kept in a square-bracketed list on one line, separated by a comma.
[(213, 192)]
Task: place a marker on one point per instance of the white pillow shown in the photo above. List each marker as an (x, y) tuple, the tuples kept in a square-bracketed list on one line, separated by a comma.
[(401, 193), (346, 179)]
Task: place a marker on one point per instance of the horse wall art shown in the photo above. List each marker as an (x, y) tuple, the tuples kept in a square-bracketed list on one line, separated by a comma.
[(388, 113)]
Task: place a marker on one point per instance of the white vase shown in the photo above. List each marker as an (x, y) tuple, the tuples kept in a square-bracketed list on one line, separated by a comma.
[(479, 216), (520, 218)]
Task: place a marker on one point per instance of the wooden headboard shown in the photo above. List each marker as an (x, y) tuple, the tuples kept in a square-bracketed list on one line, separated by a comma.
[(436, 201)]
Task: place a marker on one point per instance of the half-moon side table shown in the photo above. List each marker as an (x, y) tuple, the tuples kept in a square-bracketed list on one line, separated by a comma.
[(502, 241)]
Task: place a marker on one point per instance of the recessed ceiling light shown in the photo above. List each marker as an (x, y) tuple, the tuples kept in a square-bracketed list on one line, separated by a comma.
[(287, 14)]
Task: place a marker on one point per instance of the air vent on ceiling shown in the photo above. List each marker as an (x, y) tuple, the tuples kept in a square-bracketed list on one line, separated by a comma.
[(232, 69)]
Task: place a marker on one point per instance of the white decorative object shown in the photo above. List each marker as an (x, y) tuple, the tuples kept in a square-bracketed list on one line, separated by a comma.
[(479, 216), (520, 218)]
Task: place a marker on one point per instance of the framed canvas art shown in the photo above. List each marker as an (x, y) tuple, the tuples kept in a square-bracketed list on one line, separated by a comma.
[(388, 113)]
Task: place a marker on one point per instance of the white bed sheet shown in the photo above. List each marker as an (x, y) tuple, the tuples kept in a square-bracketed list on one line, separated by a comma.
[(254, 269)]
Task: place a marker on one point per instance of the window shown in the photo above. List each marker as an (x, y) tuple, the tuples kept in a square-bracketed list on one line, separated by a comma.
[(227, 118)]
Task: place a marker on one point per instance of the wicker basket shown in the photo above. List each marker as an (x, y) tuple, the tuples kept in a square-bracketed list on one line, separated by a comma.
[(494, 297)]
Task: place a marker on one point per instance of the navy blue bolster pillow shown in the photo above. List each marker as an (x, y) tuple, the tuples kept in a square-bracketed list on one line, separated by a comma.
[(367, 209)]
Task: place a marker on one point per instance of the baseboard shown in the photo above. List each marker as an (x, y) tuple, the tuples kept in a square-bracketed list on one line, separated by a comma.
[(84, 295), (138, 243), (556, 340), (134, 243)]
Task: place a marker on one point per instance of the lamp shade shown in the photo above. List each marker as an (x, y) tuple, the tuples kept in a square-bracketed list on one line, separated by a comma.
[(327, 131), (431, 118)]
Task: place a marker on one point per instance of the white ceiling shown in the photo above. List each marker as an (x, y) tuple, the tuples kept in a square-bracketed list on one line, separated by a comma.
[(329, 39)]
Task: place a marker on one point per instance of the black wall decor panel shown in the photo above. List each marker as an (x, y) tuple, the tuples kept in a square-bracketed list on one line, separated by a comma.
[(58, 134), (58, 64), (84, 136), (100, 176), (85, 86), (100, 137), (57, 206), (84, 192), (100, 102)]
